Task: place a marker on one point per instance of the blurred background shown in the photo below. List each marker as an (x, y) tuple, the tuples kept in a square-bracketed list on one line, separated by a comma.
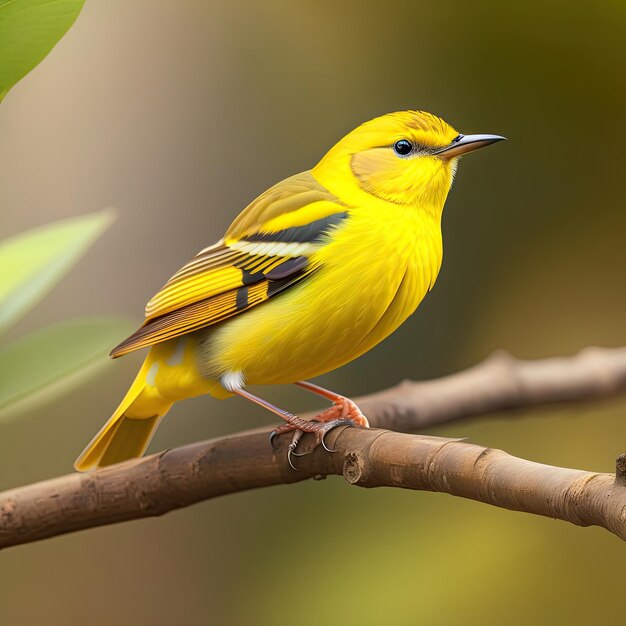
[(178, 114)]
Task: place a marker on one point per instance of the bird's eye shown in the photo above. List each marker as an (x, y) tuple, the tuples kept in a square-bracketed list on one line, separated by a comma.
[(402, 147)]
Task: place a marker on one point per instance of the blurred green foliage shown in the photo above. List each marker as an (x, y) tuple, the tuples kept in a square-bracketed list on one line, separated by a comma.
[(33, 262), (41, 365), (29, 29)]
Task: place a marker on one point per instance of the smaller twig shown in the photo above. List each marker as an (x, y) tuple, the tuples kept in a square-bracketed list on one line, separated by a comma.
[(499, 383)]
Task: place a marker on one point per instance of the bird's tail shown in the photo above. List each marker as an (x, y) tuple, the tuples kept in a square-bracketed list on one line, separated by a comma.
[(129, 430)]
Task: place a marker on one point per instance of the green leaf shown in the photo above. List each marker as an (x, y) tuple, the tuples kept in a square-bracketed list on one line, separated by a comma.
[(29, 29), (32, 263), (41, 366)]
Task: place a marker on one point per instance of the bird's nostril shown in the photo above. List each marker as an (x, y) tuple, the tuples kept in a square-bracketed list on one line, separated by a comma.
[(457, 138)]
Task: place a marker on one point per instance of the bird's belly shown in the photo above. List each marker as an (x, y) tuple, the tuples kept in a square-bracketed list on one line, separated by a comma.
[(333, 317)]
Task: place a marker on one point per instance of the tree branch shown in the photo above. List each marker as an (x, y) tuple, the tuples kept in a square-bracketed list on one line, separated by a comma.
[(499, 383), (370, 458), (177, 478)]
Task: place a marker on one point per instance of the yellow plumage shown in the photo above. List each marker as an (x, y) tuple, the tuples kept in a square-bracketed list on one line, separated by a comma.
[(312, 274)]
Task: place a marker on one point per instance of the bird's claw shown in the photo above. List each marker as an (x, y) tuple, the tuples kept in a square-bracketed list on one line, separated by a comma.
[(297, 435), (289, 455), (344, 412), (319, 429), (330, 426), (272, 437)]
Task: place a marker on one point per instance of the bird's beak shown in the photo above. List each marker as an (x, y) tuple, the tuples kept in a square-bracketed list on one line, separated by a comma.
[(467, 143)]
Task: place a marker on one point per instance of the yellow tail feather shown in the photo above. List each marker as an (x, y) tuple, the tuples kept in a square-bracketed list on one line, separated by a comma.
[(129, 430)]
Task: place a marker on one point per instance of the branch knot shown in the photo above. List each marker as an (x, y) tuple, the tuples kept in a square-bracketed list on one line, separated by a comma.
[(355, 468)]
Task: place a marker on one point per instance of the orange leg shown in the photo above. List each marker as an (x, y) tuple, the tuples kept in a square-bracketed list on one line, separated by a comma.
[(343, 408), (343, 411)]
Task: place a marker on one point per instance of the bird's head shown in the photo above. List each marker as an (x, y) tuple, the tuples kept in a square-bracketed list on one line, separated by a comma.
[(407, 157)]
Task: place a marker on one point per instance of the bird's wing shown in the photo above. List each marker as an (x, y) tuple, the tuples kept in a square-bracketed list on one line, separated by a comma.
[(266, 250)]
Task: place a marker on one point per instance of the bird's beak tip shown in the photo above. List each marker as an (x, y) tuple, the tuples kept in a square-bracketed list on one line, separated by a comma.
[(468, 143)]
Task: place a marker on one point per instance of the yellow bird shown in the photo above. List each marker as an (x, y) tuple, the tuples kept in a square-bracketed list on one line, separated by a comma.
[(313, 273)]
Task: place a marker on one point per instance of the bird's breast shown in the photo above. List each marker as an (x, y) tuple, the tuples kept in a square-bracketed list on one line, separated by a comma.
[(394, 262), (371, 276)]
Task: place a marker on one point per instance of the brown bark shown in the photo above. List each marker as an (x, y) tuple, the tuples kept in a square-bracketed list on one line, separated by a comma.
[(177, 478), (369, 458), (498, 384)]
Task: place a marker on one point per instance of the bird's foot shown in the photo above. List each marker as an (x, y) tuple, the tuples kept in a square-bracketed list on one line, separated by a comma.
[(344, 409), (343, 412)]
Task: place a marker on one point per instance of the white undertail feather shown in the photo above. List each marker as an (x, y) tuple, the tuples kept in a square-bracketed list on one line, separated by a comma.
[(233, 381)]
